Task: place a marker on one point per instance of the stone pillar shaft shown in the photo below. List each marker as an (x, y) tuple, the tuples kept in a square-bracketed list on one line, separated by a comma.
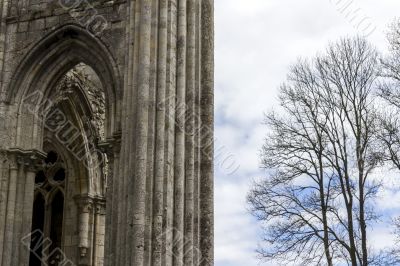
[(18, 172), (10, 214), (163, 185), (27, 212), (207, 136), (4, 181)]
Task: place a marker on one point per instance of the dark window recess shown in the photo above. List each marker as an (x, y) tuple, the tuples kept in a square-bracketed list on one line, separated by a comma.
[(60, 175), (36, 255), (40, 177), (57, 212), (52, 158)]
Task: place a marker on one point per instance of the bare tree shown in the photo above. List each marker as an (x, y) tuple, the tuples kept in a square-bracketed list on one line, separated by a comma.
[(389, 134), (389, 91), (319, 155)]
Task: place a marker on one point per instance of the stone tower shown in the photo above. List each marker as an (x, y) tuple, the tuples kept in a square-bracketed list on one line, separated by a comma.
[(106, 132)]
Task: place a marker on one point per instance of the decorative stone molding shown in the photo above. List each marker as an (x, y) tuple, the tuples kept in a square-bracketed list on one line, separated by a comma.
[(100, 206), (112, 146), (3, 155), (78, 80), (87, 206), (32, 160), (85, 203), (5, 125)]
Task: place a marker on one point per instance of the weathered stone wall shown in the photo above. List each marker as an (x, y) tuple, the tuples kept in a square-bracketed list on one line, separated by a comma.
[(24, 29), (155, 61)]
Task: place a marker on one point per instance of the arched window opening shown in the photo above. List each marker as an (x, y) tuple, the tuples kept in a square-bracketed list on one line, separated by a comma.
[(80, 98), (52, 158), (48, 213), (56, 221), (74, 122), (37, 226), (82, 80), (59, 175), (71, 74), (40, 178)]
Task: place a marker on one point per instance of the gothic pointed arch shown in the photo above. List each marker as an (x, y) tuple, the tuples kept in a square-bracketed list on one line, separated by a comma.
[(55, 55)]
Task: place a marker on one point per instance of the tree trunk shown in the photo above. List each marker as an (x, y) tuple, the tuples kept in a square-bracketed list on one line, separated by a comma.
[(324, 211), (353, 248)]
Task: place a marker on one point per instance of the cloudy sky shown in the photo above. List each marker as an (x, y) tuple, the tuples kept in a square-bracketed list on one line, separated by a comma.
[(256, 42)]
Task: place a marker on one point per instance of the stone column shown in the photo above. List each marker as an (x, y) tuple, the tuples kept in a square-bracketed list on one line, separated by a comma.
[(17, 217), (111, 148), (8, 237), (99, 232), (4, 180), (85, 210), (91, 230), (33, 163), (3, 30), (162, 189), (207, 134)]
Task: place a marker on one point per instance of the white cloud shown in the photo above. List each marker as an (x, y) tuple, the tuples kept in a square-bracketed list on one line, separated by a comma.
[(235, 225)]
